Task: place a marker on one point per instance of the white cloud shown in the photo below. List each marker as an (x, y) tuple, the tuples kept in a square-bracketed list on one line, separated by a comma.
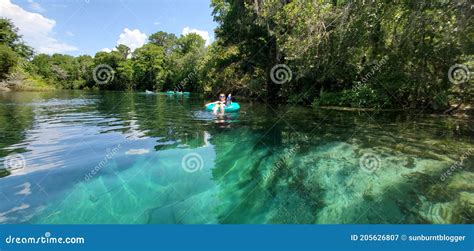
[(106, 50), (69, 33), (36, 29), (36, 6), (156, 23), (202, 33), (132, 38)]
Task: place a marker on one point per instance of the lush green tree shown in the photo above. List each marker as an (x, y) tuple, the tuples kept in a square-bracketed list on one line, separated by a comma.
[(370, 55), (182, 63), (59, 69), (148, 71), (219, 71), (13, 52), (9, 37), (168, 42), (107, 71), (256, 44), (41, 64), (85, 65), (124, 50), (8, 60), (165, 40)]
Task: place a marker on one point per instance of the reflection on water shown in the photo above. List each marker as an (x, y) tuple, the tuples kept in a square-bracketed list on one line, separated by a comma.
[(111, 157)]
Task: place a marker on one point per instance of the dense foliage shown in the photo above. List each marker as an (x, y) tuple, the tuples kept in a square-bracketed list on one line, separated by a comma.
[(13, 52), (159, 64), (378, 54), (344, 53)]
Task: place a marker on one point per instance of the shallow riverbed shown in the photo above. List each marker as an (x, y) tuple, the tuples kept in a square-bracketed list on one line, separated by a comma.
[(117, 157)]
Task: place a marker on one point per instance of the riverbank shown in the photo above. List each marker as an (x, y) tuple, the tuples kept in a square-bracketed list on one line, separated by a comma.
[(25, 84), (461, 111)]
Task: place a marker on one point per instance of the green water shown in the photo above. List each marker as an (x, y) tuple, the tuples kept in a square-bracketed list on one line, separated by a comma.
[(90, 157)]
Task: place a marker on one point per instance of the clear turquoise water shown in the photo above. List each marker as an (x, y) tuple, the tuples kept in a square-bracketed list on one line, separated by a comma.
[(162, 159)]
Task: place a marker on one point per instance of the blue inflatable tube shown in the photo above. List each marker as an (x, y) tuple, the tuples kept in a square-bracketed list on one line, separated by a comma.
[(234, 107)]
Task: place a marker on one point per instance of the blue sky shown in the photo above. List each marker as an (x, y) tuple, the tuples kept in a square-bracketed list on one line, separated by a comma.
[(86, 26)]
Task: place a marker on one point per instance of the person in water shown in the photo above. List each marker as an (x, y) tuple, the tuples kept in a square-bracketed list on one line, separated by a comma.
[(221, 103)]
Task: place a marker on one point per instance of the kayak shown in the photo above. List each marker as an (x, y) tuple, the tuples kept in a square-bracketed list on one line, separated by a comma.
[(170, 92), (149, 92), (234, 107), (186, 93)]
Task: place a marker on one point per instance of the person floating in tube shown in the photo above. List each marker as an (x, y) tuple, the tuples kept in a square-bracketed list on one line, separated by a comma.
[(221, 103)]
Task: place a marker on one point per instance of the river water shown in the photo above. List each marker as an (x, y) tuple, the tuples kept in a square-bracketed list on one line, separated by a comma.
[(122, 157)]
